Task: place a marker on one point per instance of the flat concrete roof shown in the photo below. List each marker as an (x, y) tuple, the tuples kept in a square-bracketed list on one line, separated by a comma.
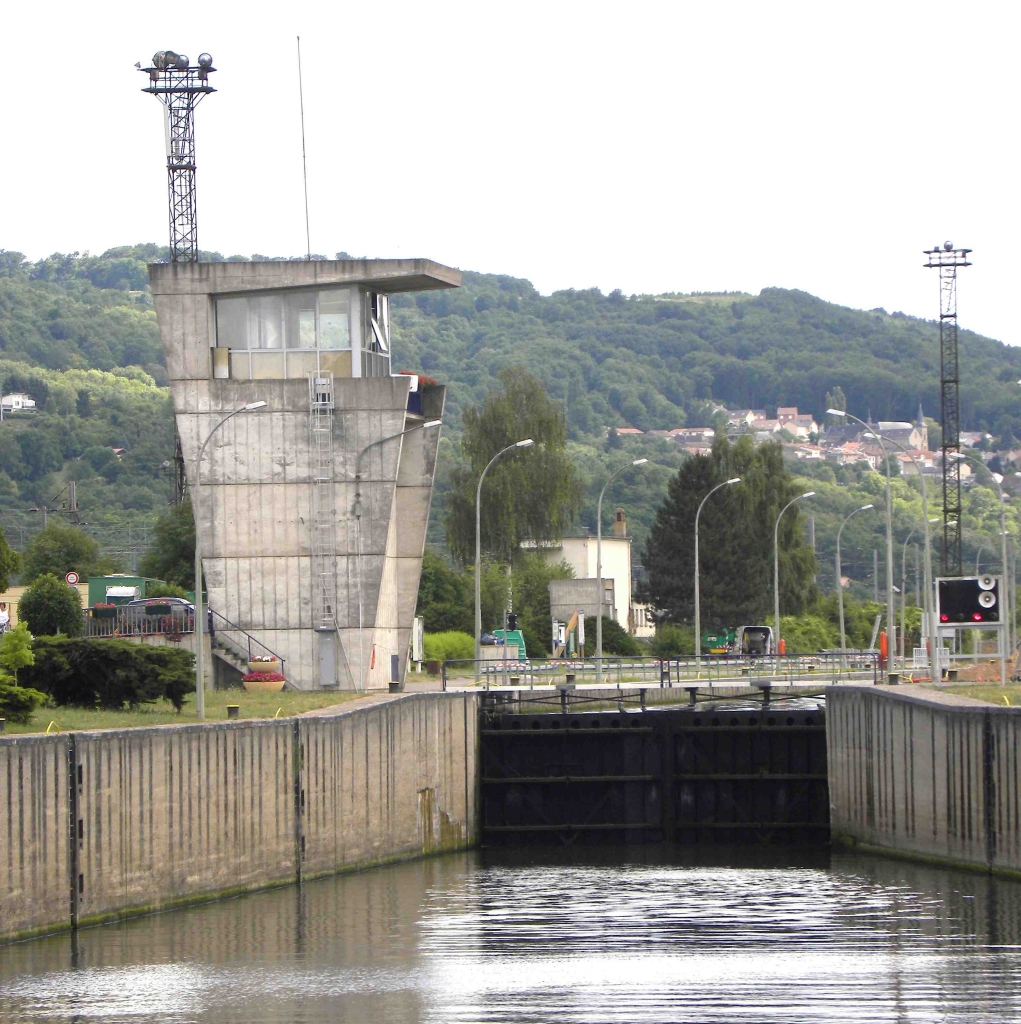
[(224, 278)]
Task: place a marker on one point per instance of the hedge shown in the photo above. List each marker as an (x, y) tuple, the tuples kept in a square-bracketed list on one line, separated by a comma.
[(108, 673)]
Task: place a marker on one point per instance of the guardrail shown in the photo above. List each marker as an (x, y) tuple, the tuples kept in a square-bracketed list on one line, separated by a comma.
[(125, 621), (832, 666)]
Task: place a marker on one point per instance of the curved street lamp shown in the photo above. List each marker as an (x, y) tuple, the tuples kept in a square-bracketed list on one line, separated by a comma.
[(196, 500), (599, 568), (891, 615), (903, 586), (840, 574), (525, 443), (1007, 607), (698, 610), (776, 570), (928, 604)]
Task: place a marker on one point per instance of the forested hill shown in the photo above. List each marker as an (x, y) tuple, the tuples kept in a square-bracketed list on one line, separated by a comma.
[(654, 361), (641, 361)]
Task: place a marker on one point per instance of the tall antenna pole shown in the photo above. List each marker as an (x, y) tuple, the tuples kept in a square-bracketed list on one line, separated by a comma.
[(304, 165), (180, 87), (947, 260)]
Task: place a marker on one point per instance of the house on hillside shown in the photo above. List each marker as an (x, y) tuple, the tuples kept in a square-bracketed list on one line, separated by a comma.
[(17, 402)]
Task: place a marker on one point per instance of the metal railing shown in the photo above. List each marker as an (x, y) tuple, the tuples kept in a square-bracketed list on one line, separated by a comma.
[(124, 621), (828, 667), (242, 643)]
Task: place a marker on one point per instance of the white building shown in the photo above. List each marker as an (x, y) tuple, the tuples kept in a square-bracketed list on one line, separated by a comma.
[(579, 553), (17, 403)]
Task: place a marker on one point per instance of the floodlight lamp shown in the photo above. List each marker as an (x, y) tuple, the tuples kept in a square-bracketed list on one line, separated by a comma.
[(736, 480), (181, 63), (807, 494), (948, 246), (841, 412), (639, 462), (159, 61), (205, 60), (169, 58), (252, 406), (432, 423), (524, 444)]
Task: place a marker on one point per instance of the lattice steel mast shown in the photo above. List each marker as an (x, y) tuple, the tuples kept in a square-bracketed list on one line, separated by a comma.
[(180, 87), (947, 259)]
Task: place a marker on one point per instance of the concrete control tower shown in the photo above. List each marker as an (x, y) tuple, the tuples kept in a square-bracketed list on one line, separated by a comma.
[(313, 511)]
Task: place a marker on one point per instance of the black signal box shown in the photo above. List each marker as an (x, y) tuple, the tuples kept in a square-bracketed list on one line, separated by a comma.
[(968, 601)]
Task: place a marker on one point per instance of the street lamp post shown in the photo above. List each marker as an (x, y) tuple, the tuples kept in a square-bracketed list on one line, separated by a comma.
[(840, 577), (356, 511), (196, 498), (599, 568), (698, 610), (776, 570), (928, 603), (525, 443), (1005, 596), (903, 587), (891, 615)]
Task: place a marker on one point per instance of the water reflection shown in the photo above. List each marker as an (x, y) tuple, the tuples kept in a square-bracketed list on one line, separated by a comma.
[(609, 938)]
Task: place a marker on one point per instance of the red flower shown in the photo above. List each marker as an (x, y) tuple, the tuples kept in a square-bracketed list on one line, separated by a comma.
[(263, 677)]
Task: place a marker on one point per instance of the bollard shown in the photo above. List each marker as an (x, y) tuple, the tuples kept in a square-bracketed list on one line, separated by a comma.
[(692, 692), (893, 679), (642, 698), (233, 710), (515, 680), (767, 690), (952, 675), (569, 680), (3, 724)]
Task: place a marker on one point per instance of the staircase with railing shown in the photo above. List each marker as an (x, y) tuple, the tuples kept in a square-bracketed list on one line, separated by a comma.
[(235, 645)]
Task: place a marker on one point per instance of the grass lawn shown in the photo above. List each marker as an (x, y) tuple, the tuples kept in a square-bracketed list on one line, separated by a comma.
[(253, 705), (992, 693)]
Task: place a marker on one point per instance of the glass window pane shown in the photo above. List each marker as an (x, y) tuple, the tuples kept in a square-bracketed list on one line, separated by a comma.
[(335, 319), (339, 363), (232, 323), (301, 320), (300, 364), (239, 365), (267, 366), (267, 321)]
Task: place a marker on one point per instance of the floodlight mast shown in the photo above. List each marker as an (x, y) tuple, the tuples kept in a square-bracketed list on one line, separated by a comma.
[(947, 259), (180, 86)]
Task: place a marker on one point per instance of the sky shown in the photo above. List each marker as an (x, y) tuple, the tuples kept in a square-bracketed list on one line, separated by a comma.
[(651, 147)]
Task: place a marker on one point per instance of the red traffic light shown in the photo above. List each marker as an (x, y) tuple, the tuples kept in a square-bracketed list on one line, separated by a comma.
[(978, 617), (944, 617)]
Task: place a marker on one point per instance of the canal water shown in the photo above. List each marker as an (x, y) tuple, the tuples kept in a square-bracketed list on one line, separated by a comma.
[(618, 938)]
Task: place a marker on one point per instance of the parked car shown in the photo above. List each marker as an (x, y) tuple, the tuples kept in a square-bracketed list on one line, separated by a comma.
[(174, 602)]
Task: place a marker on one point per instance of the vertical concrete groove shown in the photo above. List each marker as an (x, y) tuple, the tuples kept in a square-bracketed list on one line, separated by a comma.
[(73, 858)]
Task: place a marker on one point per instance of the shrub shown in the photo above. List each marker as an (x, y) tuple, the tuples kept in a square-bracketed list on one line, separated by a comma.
[(672, 641), (449, 646), (49, 606), (109, 673), (18, 702), (616, 639), (807, 634), (161, 589)]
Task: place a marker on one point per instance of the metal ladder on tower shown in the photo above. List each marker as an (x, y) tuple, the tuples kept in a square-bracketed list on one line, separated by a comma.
[(323, 511)]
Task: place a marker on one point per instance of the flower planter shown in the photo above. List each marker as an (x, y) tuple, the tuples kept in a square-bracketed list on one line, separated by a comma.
[(104, 613), (269, 685), (264, 666)]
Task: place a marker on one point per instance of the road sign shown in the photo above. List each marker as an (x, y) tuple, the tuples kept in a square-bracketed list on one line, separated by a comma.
[(72, 579)]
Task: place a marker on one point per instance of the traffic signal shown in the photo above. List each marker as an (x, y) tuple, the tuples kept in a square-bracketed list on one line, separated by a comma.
[(512, 621), (969, 600)]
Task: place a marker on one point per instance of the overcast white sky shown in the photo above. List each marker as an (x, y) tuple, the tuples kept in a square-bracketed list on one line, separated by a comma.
[(644, 146)]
